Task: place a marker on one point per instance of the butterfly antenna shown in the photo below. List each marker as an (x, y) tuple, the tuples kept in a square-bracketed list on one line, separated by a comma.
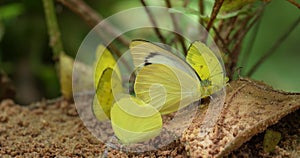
[(238, 70)]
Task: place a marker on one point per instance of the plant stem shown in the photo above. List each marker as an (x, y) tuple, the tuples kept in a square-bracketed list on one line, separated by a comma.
[(155, 27), (201, 10), (91, 17), (214, 13), (251, 44), (176, 27), (53, 30), (239, 37), (225, 48)]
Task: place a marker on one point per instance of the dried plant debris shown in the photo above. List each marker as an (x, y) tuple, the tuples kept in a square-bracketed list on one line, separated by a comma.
[(251, 107), (288, 146), (271, 140)]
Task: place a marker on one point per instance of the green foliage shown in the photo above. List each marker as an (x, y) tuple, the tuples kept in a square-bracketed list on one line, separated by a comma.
[(10, 11), (25, 38)]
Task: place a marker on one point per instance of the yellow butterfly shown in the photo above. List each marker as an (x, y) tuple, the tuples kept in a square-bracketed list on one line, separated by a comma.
[(132, 119), (135, 121), (208, 66), (183, 82), (104, 68)]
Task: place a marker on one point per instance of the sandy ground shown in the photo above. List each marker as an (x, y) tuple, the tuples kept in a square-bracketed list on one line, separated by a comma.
[(42, 130)]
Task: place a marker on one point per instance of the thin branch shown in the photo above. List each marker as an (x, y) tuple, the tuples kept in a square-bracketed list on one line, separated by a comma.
[(244, 29), (222, 41), (220, 30), (230, 29), (273, 49), (53, 30), (214, 13), (251, 42), (176, 27), (151, 18), (236, 49), (258, 14), (201, 10), (294, 3), (91, 17)]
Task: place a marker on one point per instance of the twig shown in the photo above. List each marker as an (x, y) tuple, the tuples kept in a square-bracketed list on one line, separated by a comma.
[(234, 56), (273, 48), (251, 42), (225, 28), (222, 41), (294, 3), (201, 10), (53, 30), (244, 29), (214, 13), (230, 29), (91, 17), (176, 27), (83, 10), (220, 30), (155, 27)]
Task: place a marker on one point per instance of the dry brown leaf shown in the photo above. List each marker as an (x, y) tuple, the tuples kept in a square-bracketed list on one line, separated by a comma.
[(250, 107)]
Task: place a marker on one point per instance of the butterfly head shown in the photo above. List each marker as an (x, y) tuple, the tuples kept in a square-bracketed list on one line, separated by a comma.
[(205, 88), (206, 83)]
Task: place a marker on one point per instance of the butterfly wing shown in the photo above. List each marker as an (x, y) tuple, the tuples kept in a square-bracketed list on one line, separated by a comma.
[(145, 53), (208, 67), (98, 110), (134, 121), (104, 83), (166, 88), (105, 60)]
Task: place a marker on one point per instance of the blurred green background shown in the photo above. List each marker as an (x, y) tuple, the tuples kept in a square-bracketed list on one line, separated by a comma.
[(27, 59), (282, 69)]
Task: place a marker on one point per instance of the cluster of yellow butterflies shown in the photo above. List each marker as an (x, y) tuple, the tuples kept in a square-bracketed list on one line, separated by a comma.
[(164, 83)]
